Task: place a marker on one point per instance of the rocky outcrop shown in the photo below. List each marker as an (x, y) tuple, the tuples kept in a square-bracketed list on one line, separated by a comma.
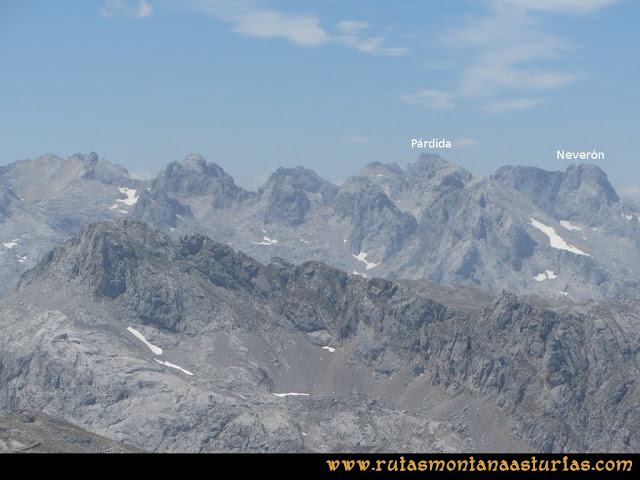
[(359, 354)]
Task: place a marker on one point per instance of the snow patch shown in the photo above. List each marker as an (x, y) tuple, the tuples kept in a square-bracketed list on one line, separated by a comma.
[(12, 243), (131, 196), (564, 293), (628, 217), (543, 276), (172, 229), (116, 207), (267, 241), (362, 257), (361, 274), (569, 226), (555, 240), (291, 394), (331, 349), (152, 347), (303, 241), (130, 200), (168, 364), (21, 259)]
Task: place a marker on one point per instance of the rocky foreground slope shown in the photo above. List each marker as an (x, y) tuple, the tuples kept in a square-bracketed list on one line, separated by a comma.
[(187, 345)]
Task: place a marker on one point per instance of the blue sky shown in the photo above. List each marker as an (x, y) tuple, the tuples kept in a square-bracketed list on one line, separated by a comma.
[(332, 85)]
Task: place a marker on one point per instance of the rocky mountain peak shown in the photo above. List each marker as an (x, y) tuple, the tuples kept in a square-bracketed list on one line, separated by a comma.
[(90, 159), (195, 178), (100, 259), (286, 201), (304, 178), (434, 169), (196, 162), (578, 193), (588, 180), (381, 169)]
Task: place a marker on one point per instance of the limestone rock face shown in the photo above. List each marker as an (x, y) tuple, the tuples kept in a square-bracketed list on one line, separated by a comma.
[(187, 345)]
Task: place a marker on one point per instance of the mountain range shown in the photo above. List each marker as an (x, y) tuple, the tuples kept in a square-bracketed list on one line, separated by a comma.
[(522, 229), (417, 310)]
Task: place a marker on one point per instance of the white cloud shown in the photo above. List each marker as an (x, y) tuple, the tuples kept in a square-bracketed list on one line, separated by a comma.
[(301, 30), (350, 27), (248, 17), (430, 98), (510, 105), (144, 9), (507, 46), (357, 139), (351, 33), (511, 48), (465, 142), (562, 6), (124, 8)]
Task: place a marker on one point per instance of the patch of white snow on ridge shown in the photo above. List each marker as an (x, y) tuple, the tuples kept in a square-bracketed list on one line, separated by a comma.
[(362, 257), (291, 394), (12, 243), (551, 275), (168, 364), (21, 259), (331, 349), (628, 217), (564, 293), (555, 240), (130, 200), (116, 207), (131, 196), (267, 241), (569, 226), (303, 241), (152, 347), (540, 277), (361, 274)]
